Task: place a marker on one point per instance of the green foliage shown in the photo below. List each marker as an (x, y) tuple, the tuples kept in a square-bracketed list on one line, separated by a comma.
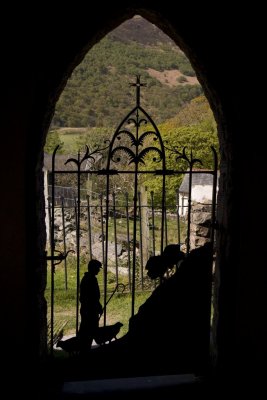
[(194, 112), (52, 141), (94, 137), (186, 69), (194, 128), (98, 92)]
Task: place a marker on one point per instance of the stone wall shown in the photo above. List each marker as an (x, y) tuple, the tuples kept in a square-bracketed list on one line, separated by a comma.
[(200, 228)]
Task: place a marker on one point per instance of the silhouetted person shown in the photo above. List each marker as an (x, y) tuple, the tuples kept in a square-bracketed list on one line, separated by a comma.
[(170, 332), (91, 308), (173, 322), (158, 302)]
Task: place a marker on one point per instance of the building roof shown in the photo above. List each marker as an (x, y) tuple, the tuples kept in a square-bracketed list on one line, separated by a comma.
[(198, 179)]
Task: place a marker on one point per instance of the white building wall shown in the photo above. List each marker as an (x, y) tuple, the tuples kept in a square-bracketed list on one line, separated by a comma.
[(200, 193)]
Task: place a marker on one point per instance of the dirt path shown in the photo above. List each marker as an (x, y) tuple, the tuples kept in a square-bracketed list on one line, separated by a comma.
[(169, 77)]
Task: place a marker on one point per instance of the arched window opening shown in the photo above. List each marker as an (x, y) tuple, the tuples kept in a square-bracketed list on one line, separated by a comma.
[(83, 210)]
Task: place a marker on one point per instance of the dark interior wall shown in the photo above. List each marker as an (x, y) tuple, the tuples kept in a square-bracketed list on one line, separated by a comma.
[(47, 44)]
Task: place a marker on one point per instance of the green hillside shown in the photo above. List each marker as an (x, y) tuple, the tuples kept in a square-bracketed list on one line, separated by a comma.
[(98, 93)]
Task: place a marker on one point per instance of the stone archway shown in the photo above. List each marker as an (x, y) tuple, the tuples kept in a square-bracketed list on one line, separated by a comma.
[(83, 43), (38, 58)]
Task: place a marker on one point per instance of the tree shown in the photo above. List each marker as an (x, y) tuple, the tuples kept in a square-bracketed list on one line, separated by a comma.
[(52, 141), (193, 128)]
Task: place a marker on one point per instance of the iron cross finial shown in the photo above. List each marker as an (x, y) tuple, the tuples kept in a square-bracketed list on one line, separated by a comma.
[(138, 85)]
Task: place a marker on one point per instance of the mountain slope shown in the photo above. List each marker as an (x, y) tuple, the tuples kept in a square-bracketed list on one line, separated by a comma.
[(98, 92), (138, 29)]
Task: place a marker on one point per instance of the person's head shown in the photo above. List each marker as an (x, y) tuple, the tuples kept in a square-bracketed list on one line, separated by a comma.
[(172, 255), (154, 267), (94, 266)]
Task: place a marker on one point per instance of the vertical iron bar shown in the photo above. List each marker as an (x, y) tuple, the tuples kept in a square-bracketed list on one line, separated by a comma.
[(214, 195), (75, 215), (115, 236), (78, 241), (153, 223), (162, 215), (64, 242), (135, 210), (163, 157), (89, 226), (153, 229), (52, 249), (163, 206), (128, 240), (166, 234), (102, 229), (163, 199), (178, 216), (212, 238), (105, 244), (50, 223), (141, 242), (52, 269), (189, 209), (166, 227), (106, 251), (76, 225)]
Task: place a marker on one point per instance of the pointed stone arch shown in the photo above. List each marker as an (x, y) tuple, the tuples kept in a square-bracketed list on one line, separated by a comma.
[(80, 45)]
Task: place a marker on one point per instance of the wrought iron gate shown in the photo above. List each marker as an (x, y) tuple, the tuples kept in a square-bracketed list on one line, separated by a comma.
[(136, 138)]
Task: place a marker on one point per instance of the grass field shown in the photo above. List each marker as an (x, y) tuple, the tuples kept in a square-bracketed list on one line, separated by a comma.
[(118, 308), (69, 136)]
